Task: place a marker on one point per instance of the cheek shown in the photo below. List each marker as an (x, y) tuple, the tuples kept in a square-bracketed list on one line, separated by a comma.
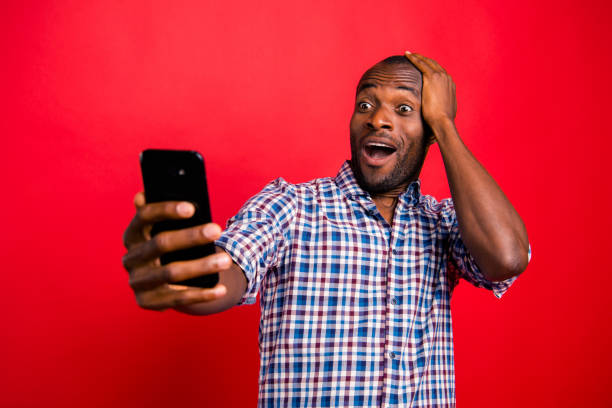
[(413, 131), (415, 127), (354, 127), (354, 123)]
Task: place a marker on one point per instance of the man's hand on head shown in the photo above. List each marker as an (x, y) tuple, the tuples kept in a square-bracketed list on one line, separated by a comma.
[(438, 102), (491, 229)]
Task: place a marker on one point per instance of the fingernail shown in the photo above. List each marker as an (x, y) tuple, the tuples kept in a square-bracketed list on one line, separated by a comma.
[(185, 209), (223, 260), (211, 230), (408, 52), (220, 290)]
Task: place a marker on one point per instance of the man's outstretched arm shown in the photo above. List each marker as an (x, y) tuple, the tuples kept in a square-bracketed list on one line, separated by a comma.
[(490, 227)]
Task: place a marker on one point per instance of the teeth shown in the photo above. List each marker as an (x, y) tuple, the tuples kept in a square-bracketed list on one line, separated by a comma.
[(379, 145)]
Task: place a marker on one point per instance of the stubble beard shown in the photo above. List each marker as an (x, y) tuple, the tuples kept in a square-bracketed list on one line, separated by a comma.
[(406, 169)]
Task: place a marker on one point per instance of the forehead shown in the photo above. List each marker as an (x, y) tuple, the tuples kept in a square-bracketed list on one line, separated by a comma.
[(395, 75)]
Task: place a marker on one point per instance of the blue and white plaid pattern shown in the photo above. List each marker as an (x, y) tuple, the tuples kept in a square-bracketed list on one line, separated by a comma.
[(354, 312)]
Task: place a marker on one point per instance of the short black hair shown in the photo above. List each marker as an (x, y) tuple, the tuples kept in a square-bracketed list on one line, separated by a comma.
[(396, 60), (392, 60)]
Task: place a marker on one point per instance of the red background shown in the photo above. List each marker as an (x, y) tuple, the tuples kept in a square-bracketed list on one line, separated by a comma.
[(265, 89)]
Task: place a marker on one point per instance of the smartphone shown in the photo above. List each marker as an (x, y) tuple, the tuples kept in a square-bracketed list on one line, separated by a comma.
[(179, 175)]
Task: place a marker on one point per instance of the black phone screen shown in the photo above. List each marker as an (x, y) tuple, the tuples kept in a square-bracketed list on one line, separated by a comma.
[(179, 175)]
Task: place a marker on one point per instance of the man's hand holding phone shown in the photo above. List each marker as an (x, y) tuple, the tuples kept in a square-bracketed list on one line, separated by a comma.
[(154, 283)]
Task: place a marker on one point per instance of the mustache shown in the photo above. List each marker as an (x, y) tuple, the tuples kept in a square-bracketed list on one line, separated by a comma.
[(380, 133), (382, 136)]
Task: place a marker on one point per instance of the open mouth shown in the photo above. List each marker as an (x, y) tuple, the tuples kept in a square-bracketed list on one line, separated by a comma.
[(378, 151)]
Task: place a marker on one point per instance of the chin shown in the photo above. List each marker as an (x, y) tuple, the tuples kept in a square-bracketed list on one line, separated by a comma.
[(383, 180), (373, 182), (376, 183)]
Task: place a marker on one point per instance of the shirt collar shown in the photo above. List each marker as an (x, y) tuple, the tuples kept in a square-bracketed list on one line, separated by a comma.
[(345, 180)]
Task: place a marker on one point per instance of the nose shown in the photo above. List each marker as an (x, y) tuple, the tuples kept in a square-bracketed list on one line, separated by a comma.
[(380, 119)]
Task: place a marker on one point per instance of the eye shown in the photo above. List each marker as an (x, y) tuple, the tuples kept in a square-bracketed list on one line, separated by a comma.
[(405, 108), (364, 106)]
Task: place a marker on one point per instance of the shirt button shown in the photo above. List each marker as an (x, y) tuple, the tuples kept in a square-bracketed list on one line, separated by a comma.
[(394, 252), (391, 355), (394, 300)]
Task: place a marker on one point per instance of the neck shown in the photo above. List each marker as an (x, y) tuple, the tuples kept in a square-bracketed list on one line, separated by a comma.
[(387, 201)]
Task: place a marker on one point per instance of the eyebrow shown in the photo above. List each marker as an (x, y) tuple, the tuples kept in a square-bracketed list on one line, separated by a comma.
[(367, 85)]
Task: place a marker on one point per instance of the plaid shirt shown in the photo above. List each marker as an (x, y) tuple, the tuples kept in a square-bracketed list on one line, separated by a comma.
[(354, 312)]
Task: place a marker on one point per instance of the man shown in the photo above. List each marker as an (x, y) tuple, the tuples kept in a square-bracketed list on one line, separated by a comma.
[(355, 272)]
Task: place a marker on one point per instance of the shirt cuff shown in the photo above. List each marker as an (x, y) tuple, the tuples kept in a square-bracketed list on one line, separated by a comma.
[(235, 251)]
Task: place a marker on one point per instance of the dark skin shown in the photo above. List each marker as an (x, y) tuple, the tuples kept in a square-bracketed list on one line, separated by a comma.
[(388, 112), (393, 104), (154, 285)]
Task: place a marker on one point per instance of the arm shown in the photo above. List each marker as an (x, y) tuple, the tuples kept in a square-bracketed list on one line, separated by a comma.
[(490, 227)]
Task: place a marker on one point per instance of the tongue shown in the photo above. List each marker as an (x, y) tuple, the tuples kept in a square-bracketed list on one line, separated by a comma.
[(378, 152)]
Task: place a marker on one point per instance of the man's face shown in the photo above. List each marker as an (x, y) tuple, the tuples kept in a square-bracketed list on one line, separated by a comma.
[(388, 143)]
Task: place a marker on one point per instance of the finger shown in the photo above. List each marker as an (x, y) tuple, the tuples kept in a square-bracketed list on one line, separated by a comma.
[(433, 64), (418, 62), (169, 241), (139, 200), (148, 277), (181, 271), (148, 214), (174, 295), (165, 210), (428, 62), (425, 63)]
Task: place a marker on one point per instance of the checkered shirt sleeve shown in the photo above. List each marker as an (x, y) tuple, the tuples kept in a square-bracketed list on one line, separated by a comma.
[(256, 236), (461, 261)]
